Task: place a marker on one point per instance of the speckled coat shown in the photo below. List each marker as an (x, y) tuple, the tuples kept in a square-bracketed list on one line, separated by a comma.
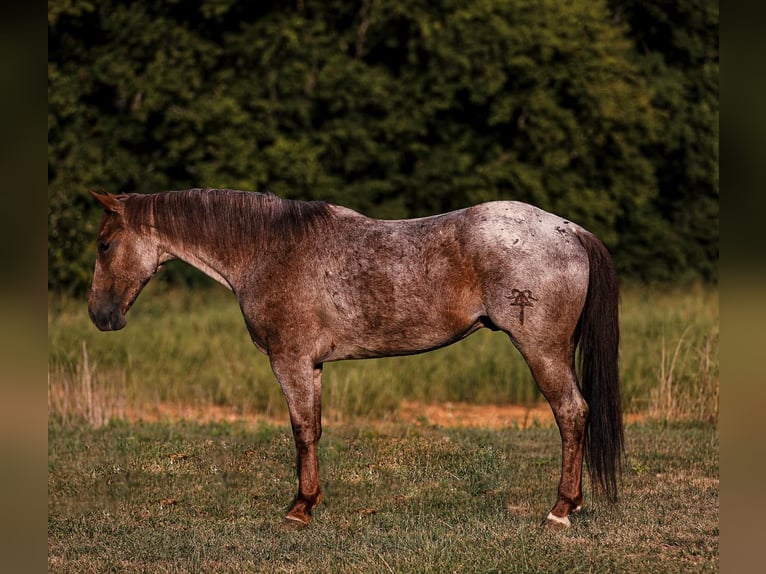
[(319, 282)]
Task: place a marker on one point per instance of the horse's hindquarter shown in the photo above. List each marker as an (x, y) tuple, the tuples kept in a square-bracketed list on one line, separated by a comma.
[(533, 266)]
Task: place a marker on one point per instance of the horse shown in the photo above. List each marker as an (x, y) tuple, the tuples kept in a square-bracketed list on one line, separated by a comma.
[(318, 282)]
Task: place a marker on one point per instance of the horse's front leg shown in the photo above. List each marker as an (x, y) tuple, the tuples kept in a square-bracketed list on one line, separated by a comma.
[(302, 385)]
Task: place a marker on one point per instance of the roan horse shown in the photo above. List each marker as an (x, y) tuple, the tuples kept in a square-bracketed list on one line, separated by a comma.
[(317, 282)]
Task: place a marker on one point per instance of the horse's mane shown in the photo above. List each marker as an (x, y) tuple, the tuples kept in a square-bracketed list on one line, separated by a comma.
[(225, 218)]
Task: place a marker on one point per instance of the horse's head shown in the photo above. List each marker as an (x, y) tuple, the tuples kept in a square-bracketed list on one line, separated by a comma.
[(127, 258)]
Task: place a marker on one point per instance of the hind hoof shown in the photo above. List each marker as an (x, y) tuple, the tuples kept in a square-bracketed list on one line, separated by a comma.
[(557, 522)]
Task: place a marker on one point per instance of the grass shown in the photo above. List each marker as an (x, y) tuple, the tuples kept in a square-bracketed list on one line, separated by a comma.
[(210, 498), (669, 353), (190, 497), (191, 347)]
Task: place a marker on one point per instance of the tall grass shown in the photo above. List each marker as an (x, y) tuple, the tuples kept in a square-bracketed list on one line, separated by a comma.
[(686, 393), (669, 353), (192, 348), (77, 395)]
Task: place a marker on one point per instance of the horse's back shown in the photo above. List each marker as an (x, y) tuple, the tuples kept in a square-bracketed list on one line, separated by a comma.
[(493, 244)]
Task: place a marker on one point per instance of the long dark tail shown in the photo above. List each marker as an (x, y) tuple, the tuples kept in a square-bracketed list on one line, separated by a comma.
[(599, 343)]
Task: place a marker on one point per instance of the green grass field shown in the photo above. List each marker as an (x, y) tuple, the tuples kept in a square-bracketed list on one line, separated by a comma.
[(194, 498), (132, 496)]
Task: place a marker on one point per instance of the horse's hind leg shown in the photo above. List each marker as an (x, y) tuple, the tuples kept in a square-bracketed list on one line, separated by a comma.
[(301, 385), (555, 376)]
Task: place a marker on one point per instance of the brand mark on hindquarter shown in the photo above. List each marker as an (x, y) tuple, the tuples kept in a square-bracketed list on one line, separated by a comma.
[(521, 299)]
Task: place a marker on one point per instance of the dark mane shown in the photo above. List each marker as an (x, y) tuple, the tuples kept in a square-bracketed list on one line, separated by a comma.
[(225, 218)]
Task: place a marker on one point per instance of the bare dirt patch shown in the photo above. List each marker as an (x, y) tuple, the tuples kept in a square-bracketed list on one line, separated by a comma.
[(450, 414), (466, 415), (447, 415), (203, 413)]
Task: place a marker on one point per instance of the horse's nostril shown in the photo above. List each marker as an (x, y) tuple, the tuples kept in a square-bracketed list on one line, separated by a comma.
[(118, 322), (107, 320)]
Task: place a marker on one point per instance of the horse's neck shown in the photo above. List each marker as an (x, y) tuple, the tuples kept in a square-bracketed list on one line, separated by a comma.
[(195, 228), (208, 263)]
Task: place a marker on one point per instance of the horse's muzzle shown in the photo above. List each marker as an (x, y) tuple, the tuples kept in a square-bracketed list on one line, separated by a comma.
[(110, 320)]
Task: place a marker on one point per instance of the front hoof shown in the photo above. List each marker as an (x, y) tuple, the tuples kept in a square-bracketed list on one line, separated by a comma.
[(297, 520), (556, 522), (300, 511)]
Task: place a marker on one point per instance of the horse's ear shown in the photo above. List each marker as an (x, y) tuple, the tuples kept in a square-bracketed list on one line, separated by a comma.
[(109, 202)]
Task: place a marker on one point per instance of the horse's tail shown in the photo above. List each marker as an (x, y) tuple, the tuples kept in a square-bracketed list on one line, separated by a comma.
[(599, 342)]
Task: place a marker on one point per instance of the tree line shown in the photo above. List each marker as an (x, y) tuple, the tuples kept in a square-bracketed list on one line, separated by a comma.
[(603, 111)]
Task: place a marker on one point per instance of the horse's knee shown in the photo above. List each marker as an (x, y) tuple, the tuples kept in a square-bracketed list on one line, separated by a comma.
[(306, 428), (304, 432)]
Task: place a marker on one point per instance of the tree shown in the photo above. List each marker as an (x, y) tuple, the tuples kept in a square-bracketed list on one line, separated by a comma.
[(395, 109), (676, 45)]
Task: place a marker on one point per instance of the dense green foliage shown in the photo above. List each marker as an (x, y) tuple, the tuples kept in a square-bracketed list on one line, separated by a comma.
[(604, 112)]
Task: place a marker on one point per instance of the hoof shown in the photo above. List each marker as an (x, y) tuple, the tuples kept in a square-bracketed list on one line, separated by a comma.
[(557, 522), (300, 511), (296, 520)]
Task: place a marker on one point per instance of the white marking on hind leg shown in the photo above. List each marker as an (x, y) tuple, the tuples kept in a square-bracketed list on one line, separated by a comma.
[(558, 520)]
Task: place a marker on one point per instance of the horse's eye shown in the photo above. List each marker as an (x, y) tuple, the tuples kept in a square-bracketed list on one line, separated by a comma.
[(103, 246)]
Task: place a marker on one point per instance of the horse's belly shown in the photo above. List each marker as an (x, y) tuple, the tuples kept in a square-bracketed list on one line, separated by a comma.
[(390, 340)]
